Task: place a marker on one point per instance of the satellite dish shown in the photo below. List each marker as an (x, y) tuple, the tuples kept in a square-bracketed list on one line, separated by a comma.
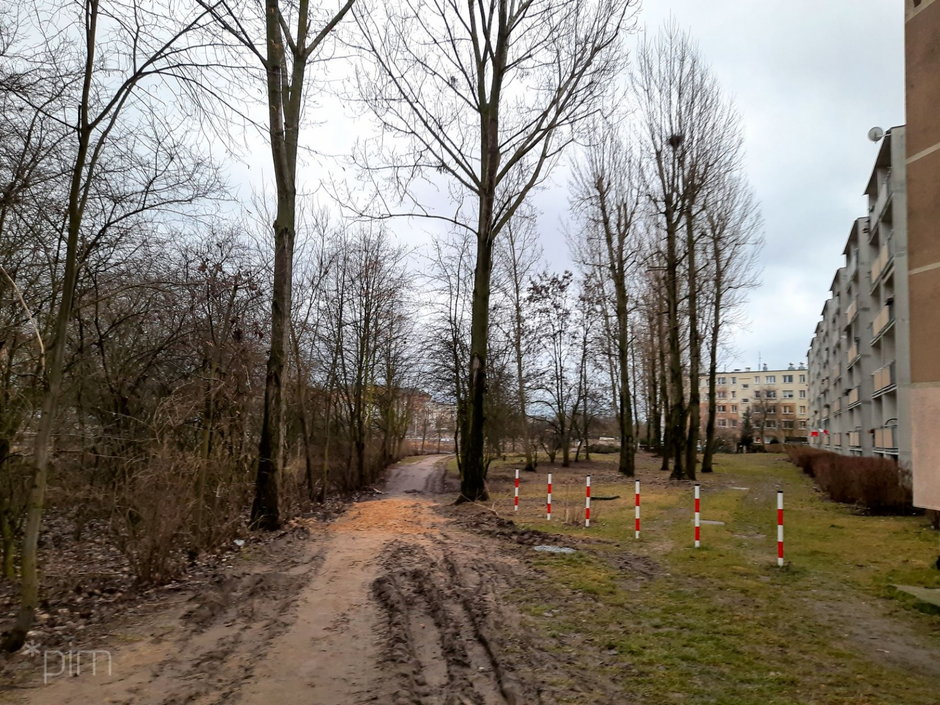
[(875, 134)]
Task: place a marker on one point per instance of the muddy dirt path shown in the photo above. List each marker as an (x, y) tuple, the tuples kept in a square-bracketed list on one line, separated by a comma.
[(391, 603)]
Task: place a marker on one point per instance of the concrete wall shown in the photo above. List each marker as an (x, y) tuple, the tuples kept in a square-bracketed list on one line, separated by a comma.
[(922, 57)]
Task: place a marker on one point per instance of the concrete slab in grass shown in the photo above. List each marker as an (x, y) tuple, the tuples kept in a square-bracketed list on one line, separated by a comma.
[(929, 595)]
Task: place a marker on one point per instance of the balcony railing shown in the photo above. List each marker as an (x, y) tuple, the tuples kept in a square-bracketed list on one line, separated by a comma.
[(883, 378), (852, 354), (852, 309), (886, 438), (852, 398), (882, 320)]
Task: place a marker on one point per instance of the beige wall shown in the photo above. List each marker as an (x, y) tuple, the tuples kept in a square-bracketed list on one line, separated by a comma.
[(922, 58)]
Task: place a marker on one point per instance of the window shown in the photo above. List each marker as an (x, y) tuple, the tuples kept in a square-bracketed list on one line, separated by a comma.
[(802, 379), (771, 379), (803, 424), (744, 386), (733, 423), (771, 394), (757, 380), (787, 393), (745, 400), (757, 394), (788, 409), (721, 395), (771, 423), (788, 424), (788, 379), (721, 380), (733, 393), (721, 408), (734, 380), (802, 409), (734, 408), (722, 423), (802, 394)]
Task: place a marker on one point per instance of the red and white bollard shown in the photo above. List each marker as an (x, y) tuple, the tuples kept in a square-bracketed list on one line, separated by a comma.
[(548, 502), (515, 497), (636, 510), (698, 509), (780, 528), (587, 501)]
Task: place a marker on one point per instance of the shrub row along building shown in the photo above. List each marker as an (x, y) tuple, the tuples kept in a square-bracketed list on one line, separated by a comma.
[(874, 366)]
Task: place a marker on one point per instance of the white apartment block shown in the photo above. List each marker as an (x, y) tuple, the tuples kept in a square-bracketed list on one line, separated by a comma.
[(776, 399), (859, 366)]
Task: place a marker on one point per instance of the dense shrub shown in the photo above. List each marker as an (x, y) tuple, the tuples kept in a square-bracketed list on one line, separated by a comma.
[(874, 483), (602, 448)]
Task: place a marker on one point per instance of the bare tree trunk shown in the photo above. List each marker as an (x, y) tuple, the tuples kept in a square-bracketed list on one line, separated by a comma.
[(473, 466), (676, 421), (695, 355), (713, 362)]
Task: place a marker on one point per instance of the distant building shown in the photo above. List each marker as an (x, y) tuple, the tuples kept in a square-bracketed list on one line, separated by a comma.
[(922, 62), (858, 359), (776, 399)]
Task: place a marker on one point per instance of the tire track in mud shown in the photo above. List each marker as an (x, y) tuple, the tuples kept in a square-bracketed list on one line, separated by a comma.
[(442, 642)]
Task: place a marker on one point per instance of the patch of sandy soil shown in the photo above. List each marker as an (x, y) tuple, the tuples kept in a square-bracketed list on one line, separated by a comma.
[(397, 601)]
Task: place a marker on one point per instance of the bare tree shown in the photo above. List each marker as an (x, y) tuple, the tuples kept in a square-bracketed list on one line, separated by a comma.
[(692, 138), (284, 38), (608, 198), (145, 50), (486, 94), (553, 306), (521, 253), (732, 239)]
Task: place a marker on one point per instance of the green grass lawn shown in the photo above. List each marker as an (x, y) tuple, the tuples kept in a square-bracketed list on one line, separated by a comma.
[(722, 624)]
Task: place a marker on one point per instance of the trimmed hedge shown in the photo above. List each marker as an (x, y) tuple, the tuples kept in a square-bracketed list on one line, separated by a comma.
[(874, 483)]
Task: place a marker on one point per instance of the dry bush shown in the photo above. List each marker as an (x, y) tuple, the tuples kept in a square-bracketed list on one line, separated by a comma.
[(874, 483), (160, 518)]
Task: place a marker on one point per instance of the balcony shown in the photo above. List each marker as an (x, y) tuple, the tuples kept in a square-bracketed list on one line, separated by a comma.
[(852, 310), (855, 439), (884, 319), (884, 258), (852, 354), (886, 438), (836, 407), (852, 399), (883, 379)]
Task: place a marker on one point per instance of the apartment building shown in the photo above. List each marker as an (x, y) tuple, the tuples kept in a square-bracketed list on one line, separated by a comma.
[(777, 401), (859, 366), (922, 62)]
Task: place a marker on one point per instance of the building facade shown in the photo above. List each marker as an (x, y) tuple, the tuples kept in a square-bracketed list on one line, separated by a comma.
[(777, 401), (859, 362), (922, 65)]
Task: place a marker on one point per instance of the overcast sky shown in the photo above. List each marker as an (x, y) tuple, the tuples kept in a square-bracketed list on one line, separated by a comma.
[(809, 79)]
